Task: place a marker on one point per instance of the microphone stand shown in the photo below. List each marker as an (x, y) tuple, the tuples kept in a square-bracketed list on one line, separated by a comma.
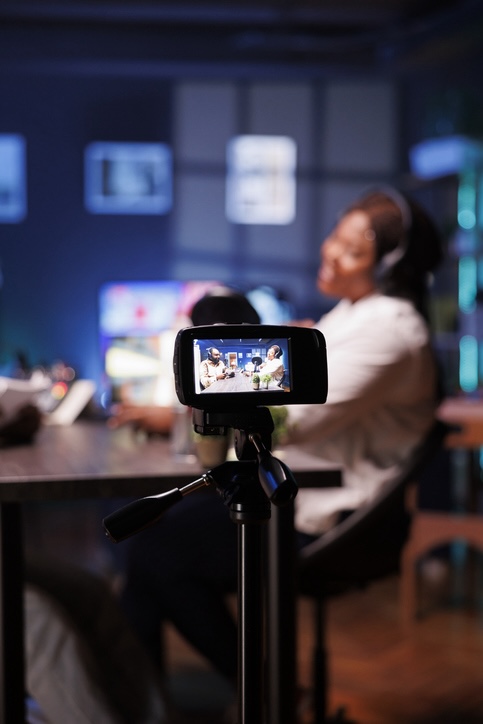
[(248, 487)]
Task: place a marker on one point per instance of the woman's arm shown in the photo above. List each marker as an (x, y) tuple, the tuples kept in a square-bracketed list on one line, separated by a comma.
[(380, 366)]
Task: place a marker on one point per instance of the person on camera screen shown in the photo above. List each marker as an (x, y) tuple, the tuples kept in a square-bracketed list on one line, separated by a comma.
[(212, 368), (273, 365)]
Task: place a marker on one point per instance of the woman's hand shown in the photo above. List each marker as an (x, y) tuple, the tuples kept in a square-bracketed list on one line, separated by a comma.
[(149, 418)]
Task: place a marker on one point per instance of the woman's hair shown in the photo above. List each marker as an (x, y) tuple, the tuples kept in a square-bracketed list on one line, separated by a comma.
[(408, 244), (278, 352), (225, 305)]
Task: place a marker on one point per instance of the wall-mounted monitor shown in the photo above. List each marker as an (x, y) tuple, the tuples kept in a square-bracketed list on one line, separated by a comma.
[(260, 185), (128, 178), (13, 194), (138, 323)]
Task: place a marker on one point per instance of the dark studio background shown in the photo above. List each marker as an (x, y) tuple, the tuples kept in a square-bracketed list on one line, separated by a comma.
[(191, 77)]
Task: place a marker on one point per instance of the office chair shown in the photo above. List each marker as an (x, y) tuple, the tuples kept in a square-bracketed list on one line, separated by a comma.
[(364, 547)]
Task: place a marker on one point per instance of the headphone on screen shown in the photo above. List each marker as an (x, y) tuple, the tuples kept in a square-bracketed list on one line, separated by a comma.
[(209, 351)]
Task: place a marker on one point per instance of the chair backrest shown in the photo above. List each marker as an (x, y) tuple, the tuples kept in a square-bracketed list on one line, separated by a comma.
[(367, 544)]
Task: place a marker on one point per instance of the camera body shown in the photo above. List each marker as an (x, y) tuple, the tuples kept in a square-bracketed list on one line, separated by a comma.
[(216, 366)]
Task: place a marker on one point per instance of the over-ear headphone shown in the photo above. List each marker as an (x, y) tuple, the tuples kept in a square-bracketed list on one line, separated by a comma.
[(389, 260)]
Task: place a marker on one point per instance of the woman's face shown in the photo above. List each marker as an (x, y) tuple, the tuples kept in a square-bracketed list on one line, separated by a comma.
[(348, 259), (271, 353)]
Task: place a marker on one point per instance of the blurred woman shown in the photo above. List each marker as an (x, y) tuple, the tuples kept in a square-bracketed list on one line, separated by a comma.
[(383, 393), (383, 385)]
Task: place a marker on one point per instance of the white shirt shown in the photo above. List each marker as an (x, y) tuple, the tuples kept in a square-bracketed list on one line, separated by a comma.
[(381, 401), (273, 367)]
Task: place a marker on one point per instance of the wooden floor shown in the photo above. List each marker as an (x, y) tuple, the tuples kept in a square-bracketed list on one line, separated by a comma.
[(382, 674)]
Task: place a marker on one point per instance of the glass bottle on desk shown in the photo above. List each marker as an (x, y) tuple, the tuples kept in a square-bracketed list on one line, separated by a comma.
[(182, 435)]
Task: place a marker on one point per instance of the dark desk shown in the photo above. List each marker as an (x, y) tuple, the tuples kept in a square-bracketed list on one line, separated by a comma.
[(86, 460), (240, 383)]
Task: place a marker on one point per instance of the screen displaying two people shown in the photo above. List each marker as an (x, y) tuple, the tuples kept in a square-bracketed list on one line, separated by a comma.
[(241, 365)]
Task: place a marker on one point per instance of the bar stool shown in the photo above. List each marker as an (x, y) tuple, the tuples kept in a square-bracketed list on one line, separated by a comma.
[(433, 528)]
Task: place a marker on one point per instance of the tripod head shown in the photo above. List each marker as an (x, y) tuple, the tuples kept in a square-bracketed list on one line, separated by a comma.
[(244, 422), (274, 481)]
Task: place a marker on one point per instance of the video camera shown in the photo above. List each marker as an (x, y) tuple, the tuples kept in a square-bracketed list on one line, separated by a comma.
[(243, 349)]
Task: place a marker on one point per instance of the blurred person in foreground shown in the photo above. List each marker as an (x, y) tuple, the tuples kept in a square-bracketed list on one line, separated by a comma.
[(83, 664), (382, 398)]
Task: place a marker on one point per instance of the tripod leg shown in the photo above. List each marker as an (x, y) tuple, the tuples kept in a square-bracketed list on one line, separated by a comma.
[(250, 624), (320, 673), (281, 622)]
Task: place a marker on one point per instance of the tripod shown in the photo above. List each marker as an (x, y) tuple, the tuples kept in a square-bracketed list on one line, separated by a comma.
[(248, 487)]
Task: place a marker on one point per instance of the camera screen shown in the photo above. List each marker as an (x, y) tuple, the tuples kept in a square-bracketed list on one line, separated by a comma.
[(241, 365)]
